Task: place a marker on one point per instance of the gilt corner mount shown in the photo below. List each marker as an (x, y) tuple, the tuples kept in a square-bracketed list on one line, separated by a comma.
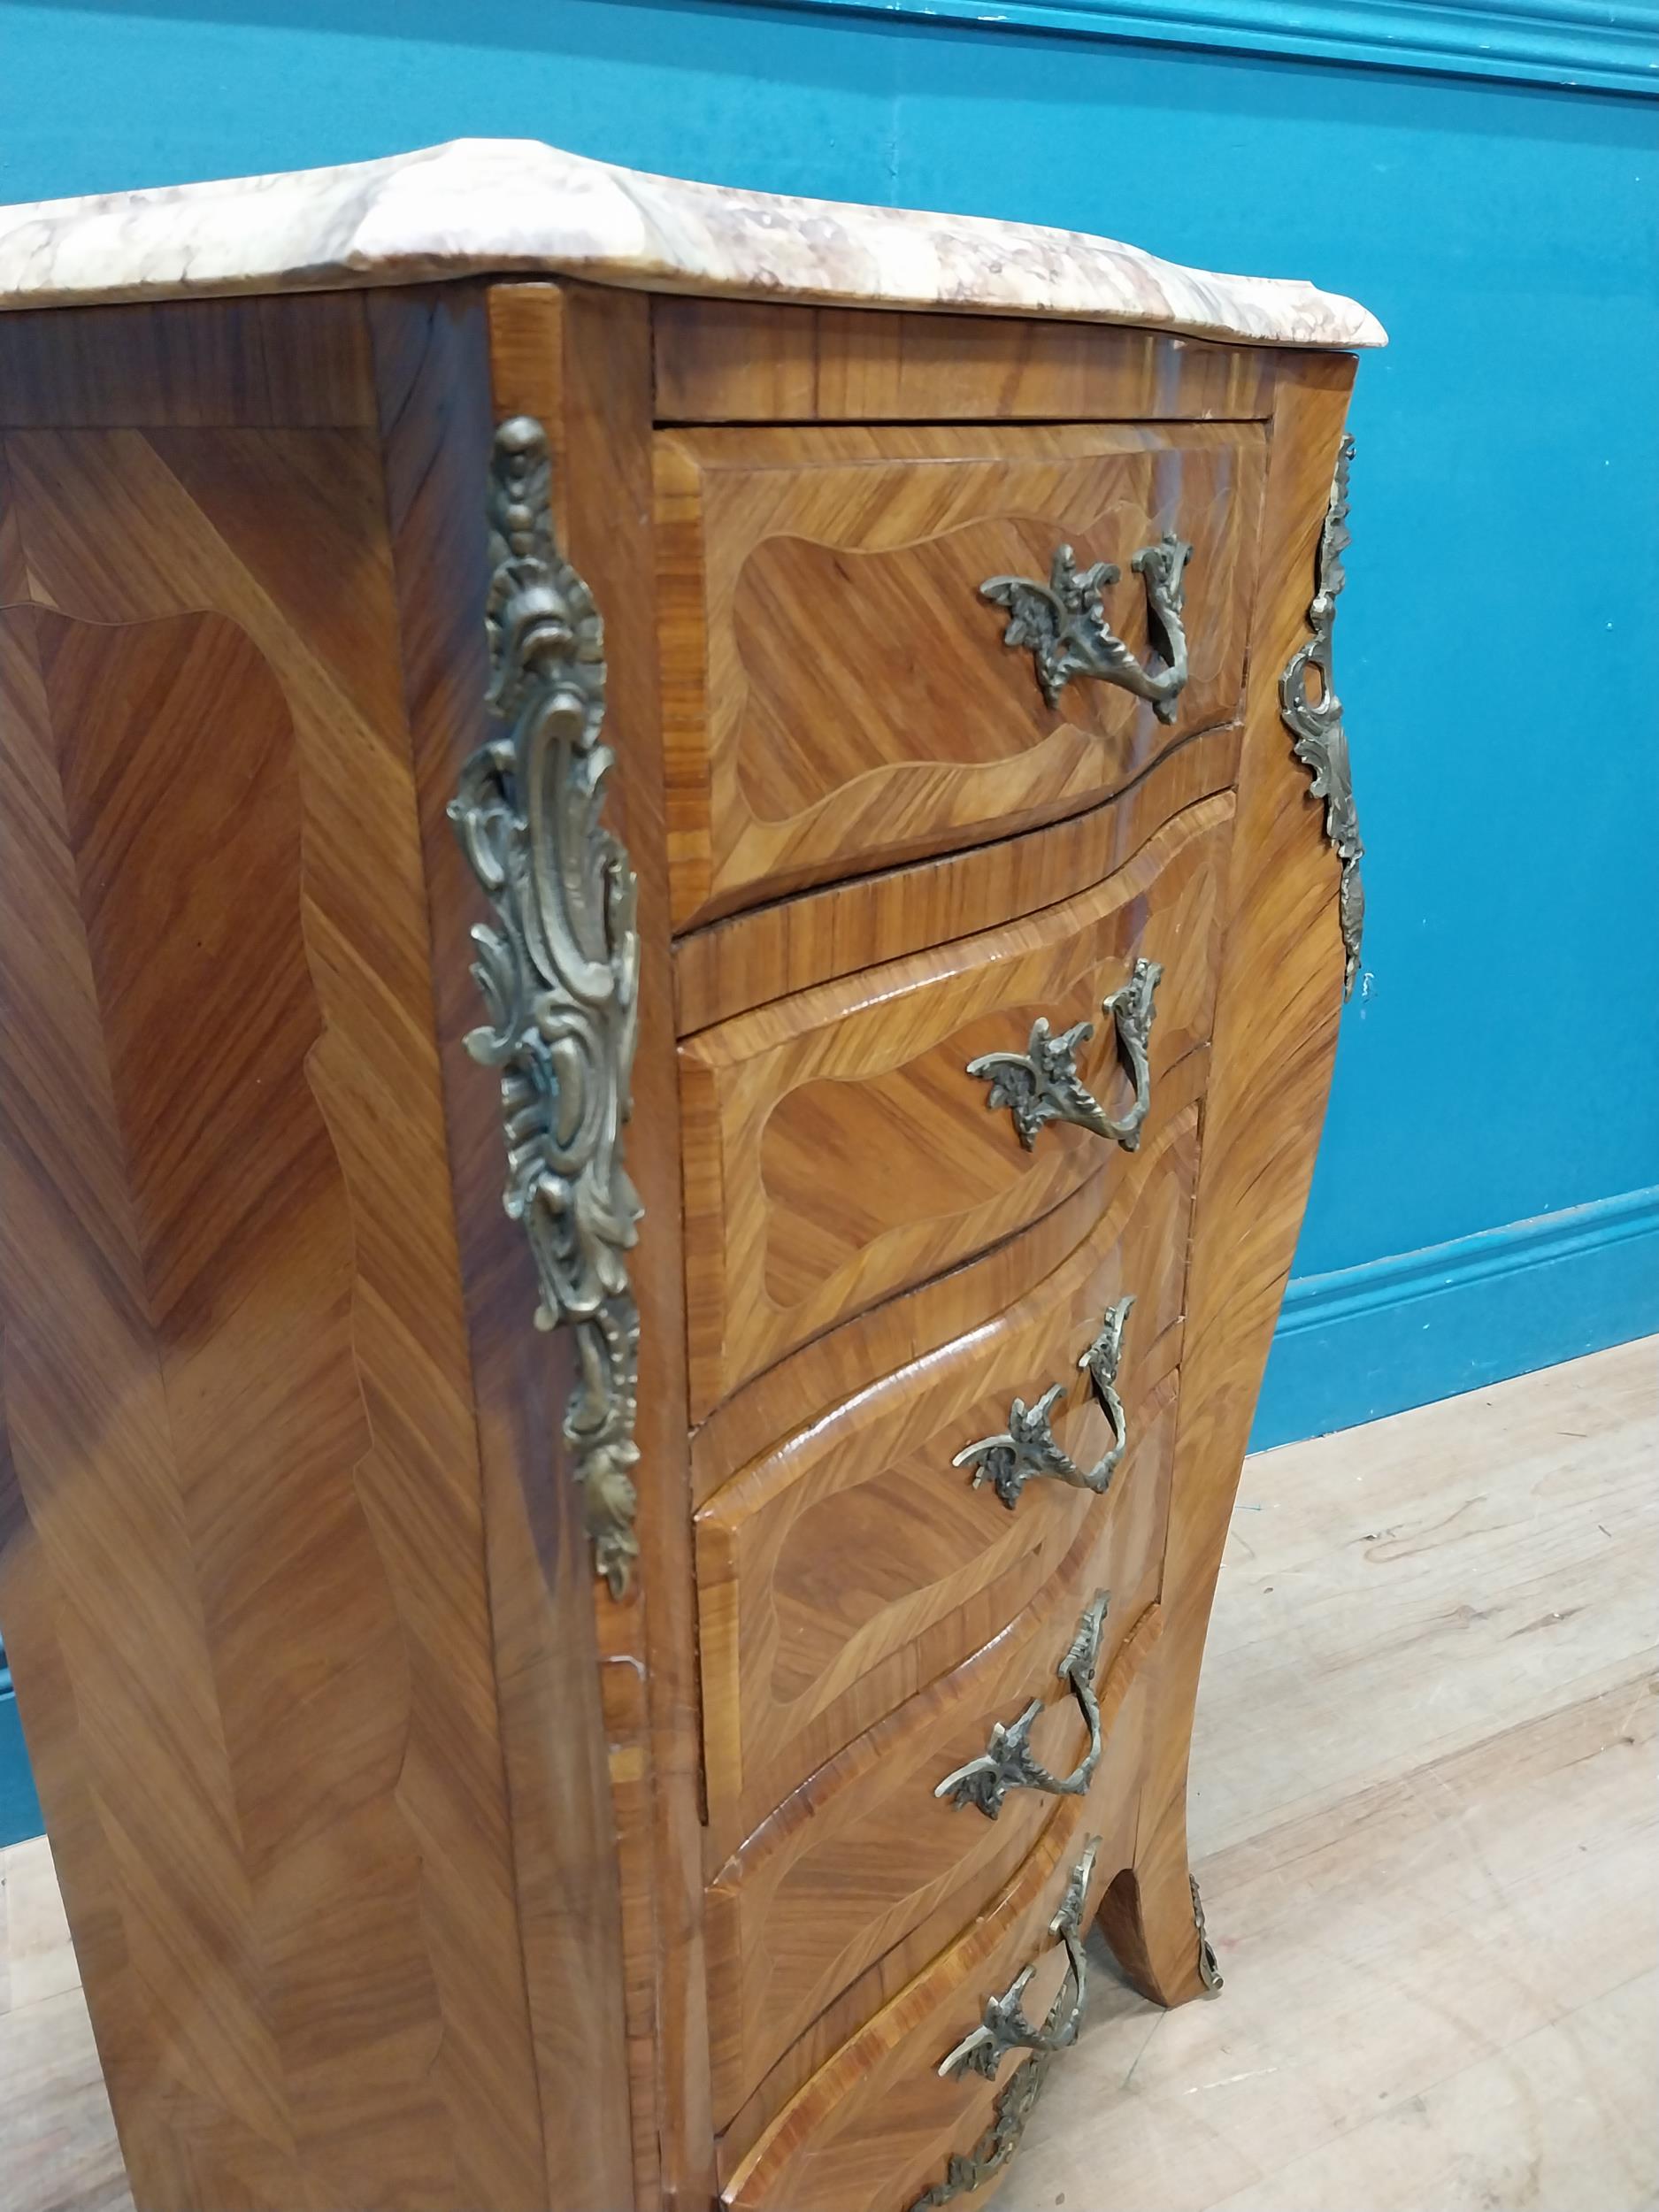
[(559, 972), (1319, 741)]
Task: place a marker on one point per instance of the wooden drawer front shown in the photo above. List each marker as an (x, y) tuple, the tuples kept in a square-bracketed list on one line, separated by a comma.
[(836, 692), (878, 2125), (836, 1149), (865, 1850), (842, 1571)]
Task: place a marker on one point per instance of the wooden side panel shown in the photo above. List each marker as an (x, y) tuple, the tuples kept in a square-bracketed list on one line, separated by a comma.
[(432, 369), (735, 361), (244, 1565), (579, 358), (836, 1147), (800, 747), (1276, 1029)]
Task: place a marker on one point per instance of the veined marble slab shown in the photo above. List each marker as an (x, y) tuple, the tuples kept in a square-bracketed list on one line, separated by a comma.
[(514, 205)]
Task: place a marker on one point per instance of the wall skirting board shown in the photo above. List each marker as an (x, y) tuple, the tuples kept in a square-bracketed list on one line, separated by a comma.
[(1395, 1333), (1573, 42)]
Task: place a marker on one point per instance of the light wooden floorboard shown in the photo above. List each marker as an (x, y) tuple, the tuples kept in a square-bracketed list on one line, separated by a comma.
[(1424, 1816)]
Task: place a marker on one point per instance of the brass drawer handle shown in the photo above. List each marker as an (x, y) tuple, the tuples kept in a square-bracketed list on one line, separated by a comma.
[(1028, 1449), (1009, 1762), (1042, 1084), (1065, 624), (1003, 2026)]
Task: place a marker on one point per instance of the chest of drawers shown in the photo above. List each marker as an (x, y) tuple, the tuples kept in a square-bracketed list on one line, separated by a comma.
[(668, 965)]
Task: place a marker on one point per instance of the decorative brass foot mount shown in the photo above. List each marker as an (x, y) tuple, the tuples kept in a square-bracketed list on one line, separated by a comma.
[(1209, 1967)]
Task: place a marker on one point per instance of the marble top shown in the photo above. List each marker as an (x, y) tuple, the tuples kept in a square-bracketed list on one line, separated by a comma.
[(517, 206)]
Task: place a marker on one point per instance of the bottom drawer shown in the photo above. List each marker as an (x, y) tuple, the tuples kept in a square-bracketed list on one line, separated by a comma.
[(878, 2127)]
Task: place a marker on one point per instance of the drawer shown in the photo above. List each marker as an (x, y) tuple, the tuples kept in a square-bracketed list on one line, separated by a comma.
[(879, 2123), (867, 1849), (837, 694), (852, 1564), (839, 1146)]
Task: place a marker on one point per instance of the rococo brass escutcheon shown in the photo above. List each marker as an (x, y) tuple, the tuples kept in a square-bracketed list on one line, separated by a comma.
[(559, 972), (1028, 1449), (1042, 1084), (1009, 1762), (1065, 624), (1319, 741)]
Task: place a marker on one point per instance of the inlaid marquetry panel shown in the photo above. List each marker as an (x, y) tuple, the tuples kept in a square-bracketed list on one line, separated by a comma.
[(836, 693), (836, 1147)]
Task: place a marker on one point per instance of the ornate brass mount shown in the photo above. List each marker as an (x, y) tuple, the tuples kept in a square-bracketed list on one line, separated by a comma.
[(1042, 1084), (1319, 739), (1009, 1762), (559, 972), (1209, 1967), (1028, 1449), (1004, 2027), (1065, 624), (966, 2172)]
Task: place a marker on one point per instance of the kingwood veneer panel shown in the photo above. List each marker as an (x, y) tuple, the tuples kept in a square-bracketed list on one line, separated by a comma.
[(865, 1848), (838, 1150), (771, 950), (834, 1570), (877, 2124), (246, 1581), (801, 745)]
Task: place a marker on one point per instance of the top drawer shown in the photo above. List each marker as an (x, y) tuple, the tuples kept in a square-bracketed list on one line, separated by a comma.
[(837, 695)]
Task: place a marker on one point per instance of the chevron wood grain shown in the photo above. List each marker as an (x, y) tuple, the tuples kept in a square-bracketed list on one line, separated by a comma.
[(245, 1581)]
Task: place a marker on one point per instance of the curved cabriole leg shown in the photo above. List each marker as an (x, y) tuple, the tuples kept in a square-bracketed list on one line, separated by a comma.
[(1152, 1918)]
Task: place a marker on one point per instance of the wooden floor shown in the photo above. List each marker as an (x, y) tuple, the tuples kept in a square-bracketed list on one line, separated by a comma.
[(1427, 1823)]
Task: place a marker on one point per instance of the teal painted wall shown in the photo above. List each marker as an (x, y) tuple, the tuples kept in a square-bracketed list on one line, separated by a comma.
[(1486, 1195)]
